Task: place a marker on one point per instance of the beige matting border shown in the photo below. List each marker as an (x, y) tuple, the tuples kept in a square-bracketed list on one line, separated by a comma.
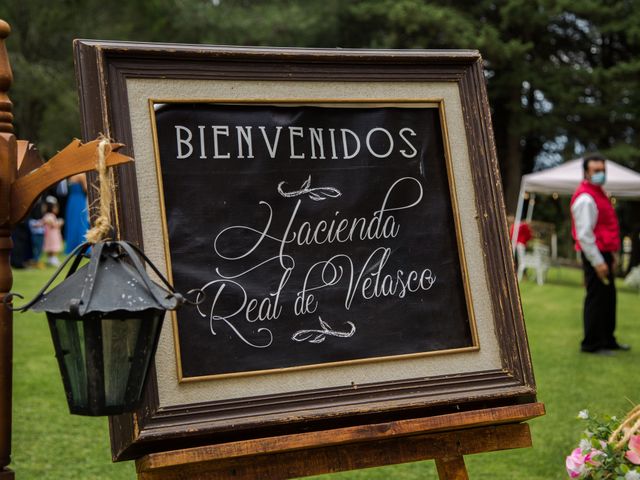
[(170, 390)]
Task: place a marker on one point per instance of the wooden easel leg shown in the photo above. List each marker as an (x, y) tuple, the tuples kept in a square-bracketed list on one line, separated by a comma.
[(7, 474), (452, 468)]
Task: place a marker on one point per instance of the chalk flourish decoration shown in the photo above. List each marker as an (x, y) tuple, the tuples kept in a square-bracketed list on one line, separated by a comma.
[(319, 336), (317, 194)]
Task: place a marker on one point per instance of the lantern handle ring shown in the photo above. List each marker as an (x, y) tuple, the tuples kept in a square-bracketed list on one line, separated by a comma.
[(200, 296)]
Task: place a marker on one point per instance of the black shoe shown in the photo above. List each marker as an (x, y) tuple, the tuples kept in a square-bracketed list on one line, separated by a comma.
[(605, 352), (621, 346)]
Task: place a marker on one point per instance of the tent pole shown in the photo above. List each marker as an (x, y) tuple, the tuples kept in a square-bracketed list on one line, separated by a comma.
[(516, 222), (531, 204)]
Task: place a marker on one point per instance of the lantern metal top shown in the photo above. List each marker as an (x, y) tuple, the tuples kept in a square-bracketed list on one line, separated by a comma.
[(116, 272), (121, 286)]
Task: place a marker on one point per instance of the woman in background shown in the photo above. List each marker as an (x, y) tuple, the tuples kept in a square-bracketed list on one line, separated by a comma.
[(77, 212)]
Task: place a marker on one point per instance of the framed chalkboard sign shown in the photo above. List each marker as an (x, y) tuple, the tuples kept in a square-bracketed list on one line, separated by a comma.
[(318, 234), (339, 214)]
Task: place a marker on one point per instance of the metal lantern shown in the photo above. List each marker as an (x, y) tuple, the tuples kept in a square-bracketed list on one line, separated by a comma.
[(105, 320)]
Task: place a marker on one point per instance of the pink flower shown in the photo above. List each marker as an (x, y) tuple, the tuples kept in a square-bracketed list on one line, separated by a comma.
[(578, 464), (633, 454), (575, 463), (590, 458)]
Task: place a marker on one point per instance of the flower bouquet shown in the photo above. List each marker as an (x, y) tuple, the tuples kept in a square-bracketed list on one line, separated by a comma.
[(609, 448)]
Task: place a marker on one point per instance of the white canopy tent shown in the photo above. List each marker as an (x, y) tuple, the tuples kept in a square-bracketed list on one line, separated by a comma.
[(622, 182)]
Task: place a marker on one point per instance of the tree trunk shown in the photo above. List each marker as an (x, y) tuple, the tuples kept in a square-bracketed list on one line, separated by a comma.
[(508, 148), (512, 175)]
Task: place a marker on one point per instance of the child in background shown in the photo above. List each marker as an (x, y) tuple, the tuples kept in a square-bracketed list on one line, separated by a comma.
[(37, 239), (52, 234)]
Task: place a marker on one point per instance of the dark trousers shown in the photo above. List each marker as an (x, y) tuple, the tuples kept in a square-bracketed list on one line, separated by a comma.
[(599, 308)]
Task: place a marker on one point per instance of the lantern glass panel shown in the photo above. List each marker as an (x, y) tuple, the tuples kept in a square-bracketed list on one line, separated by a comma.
[(145, 351), (68, 336), (119, 338)]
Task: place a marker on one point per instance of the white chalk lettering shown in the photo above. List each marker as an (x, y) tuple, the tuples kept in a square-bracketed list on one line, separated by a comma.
[(180, 141), (219, 130), (360, 280)]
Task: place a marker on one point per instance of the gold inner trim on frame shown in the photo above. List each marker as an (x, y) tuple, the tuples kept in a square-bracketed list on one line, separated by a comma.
[(335, 103)]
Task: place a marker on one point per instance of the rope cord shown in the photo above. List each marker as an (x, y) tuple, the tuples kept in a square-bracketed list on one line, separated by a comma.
[(102, 225)]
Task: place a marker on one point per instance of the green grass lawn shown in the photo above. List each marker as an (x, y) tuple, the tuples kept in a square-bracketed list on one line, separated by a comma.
[(48, 443)]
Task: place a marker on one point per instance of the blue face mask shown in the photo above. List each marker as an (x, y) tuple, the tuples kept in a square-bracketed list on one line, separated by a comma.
[(598, 178)]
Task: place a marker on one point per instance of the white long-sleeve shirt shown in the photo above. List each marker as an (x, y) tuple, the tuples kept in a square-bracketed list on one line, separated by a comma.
[(585, 216)]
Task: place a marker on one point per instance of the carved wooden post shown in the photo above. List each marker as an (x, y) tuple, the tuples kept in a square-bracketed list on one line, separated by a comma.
[(22, 180), (8, 159)]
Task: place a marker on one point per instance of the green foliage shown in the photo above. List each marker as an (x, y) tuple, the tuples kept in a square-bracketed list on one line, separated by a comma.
[(311, 23), (602, 93)]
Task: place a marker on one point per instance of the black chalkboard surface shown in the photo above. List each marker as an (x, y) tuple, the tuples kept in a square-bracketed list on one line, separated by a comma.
[(318, 234)]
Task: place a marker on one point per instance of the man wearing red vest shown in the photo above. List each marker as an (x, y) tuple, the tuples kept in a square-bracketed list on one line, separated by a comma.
[(597, 235)]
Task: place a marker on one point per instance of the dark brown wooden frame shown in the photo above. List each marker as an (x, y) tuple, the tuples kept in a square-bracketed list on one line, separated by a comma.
[(102, 72)]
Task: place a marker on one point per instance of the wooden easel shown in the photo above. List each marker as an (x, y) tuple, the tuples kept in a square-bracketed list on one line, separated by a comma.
[(445, 438)]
